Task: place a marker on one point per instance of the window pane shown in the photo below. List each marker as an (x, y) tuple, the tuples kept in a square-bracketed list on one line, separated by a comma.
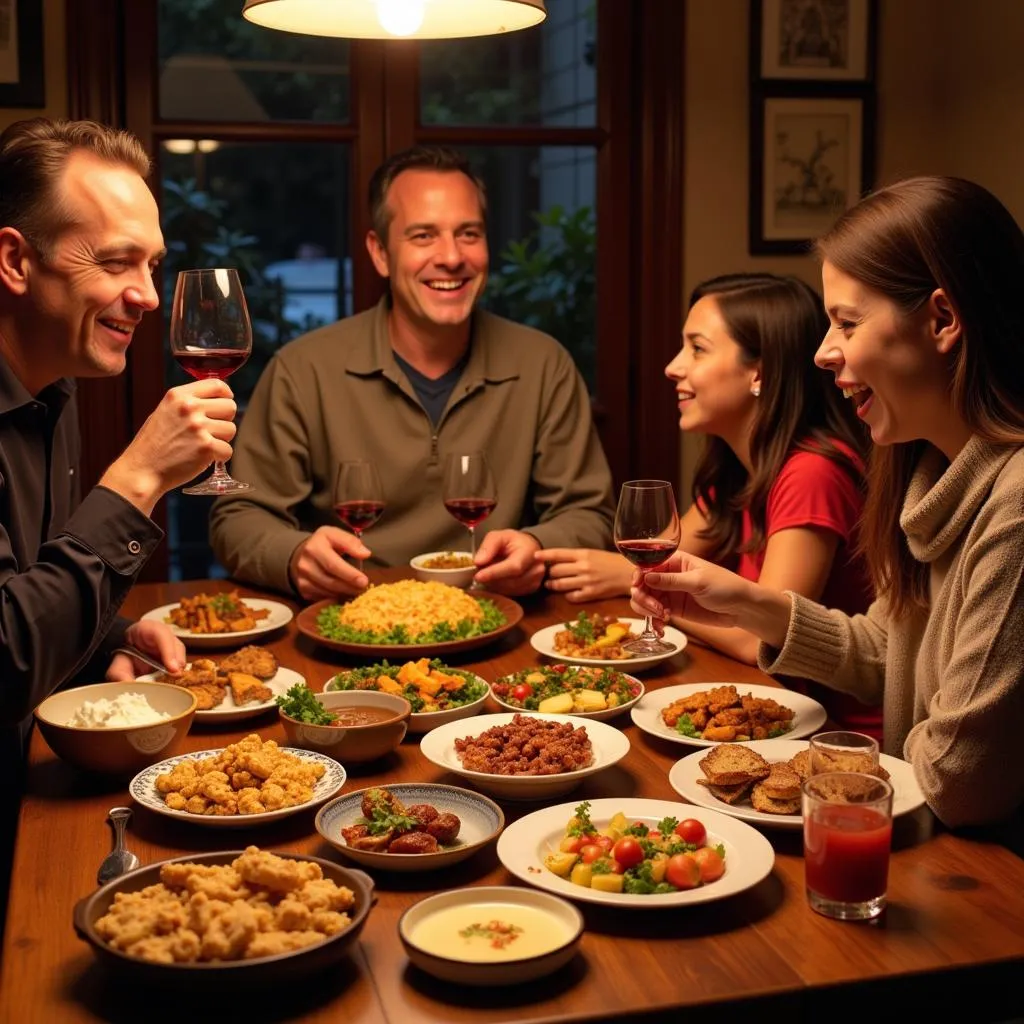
[(215, 66), (279, 213), (543, 75), (542, 232)]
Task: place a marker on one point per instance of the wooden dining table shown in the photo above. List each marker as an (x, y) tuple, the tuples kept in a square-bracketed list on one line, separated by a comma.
[(952, 936)]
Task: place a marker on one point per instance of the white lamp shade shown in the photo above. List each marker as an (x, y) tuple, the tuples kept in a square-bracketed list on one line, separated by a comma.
[(392, 19)]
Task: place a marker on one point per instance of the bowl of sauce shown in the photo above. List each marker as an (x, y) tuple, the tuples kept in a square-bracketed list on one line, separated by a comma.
[(456, 568), (366, 725), (491, 935)]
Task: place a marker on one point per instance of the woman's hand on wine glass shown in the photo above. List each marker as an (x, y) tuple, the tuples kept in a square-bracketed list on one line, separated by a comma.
[(318, 568), (692, 589), (191, 427)]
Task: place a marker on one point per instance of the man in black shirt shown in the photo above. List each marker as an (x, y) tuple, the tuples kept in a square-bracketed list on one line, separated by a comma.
[(79, 240)]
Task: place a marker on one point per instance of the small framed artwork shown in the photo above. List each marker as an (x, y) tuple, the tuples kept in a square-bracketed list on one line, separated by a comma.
[(813, 40), (810, 161), (21, 54)]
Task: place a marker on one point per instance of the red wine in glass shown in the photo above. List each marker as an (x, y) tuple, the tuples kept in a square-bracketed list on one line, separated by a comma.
[(470, 494), (647, 532), (211, 337), (212, 362), (470, 511), (359, 515), (647, 554), (358, 497)]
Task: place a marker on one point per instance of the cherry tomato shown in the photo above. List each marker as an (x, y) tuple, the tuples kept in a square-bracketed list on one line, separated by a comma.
[(590, 852), (628, 852), (654, 835), (683, 871), (572, 844), (615, 867), (605, 842), (711, 864), (522, 691), (690, 830)]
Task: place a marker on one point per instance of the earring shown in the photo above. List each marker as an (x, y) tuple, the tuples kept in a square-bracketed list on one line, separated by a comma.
[(755, 390)]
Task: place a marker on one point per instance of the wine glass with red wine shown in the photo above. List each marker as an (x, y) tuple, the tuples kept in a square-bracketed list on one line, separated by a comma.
[(358, 497), (211, 336), (647, 533), (470, 494)]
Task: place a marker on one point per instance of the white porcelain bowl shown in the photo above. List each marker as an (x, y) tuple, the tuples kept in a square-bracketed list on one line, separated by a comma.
[(119, 750), (352, 744), (462, 577), (550, 924)]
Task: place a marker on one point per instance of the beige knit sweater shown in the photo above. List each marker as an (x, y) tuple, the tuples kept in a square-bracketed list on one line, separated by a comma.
[(951, 678)]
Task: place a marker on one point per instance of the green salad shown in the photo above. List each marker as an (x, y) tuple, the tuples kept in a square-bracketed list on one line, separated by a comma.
[(428, 686)]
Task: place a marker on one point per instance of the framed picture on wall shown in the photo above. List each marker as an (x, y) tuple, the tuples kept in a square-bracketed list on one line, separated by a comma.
[(811, 159), (813, 40), (21, 54)]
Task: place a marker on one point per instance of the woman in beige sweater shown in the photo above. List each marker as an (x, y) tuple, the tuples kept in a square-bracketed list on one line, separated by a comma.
[(922, 285)]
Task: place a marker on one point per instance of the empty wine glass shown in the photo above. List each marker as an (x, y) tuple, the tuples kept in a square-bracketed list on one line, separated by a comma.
[(647, 533), (358, 497), (211, 336), (470, 493)]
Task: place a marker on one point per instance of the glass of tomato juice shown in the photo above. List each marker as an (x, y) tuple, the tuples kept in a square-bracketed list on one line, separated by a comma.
[(847, 838)]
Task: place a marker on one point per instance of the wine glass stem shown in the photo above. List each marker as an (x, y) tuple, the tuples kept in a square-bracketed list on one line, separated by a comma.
[(220, 474), (472, 542), (359, 537)]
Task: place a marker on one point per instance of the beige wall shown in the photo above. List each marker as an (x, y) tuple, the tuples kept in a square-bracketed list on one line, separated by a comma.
[(54, 56), (950, 89)]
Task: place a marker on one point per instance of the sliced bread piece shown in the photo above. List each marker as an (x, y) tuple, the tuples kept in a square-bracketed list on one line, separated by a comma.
[(767, 805), (782, 782), (732, 764), (727, 794)]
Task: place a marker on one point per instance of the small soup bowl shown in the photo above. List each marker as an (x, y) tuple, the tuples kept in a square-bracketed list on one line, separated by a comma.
[(378, 724), (455, 576)]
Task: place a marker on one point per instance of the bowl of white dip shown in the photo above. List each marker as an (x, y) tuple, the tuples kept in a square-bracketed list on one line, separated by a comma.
[(116, 728)]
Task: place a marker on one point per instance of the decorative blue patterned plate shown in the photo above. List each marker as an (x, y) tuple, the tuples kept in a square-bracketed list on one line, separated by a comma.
[(481, 818), (143, 790)]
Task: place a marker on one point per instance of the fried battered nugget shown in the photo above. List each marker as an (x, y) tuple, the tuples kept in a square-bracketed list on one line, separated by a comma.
[(273, 943), (252, 660), (229, 933), (323, 894), (275, 873), (246, 688), (207, 697)]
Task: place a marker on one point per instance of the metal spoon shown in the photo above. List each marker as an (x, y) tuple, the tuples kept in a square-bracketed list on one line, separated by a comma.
[(135, 653), (119, 860)]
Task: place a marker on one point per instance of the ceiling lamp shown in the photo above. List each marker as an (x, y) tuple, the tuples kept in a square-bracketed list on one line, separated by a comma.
[(395, 19)]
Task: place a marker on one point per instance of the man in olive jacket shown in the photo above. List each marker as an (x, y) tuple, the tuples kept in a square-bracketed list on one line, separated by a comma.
[(422, 375)]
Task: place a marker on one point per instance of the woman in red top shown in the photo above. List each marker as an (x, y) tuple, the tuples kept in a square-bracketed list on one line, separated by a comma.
[(779, 488)]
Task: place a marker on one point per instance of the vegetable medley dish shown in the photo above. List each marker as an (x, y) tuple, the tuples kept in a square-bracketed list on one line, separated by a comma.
[(427, 685), (409, 612), (632, 858), (594, 636), (566, 689)]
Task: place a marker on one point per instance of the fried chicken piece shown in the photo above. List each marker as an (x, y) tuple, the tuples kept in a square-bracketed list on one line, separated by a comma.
[(250, 801), (260, 867), (252, 660), (182, 946), (414, 842), (378, 798), (229, 933), (323, 894), (213, 881), (207, 697), (359, 838), (330, 922), (445, 827), (183, 774), (273, 943), (246, 688), (292, 916)]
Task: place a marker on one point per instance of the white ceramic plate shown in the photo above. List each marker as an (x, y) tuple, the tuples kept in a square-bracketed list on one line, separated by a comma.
[(481, 818), (543, 641), (525, 843), (593, 716), (229, 711), (438, 746), (907, 795), (427, 720), (143, 791), (810, 715), (280, 615)]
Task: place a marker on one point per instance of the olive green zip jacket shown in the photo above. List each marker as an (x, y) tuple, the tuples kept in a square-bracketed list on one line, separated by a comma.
[(337, 393)]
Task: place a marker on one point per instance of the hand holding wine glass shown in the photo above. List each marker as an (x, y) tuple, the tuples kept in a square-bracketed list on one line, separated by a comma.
[(470, 494), (358, 497), (647, 532), (211, 336)]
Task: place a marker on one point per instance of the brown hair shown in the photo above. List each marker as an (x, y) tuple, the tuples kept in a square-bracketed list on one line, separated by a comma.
[(780, 322), (418, 158), (904, 242), (33, 155)]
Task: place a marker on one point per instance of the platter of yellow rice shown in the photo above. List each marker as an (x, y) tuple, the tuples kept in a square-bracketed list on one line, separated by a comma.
[(410, 618)]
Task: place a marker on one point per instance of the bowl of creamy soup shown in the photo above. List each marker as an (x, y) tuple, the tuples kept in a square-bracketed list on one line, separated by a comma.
[(491, 935), (116, 728), (363, 725)]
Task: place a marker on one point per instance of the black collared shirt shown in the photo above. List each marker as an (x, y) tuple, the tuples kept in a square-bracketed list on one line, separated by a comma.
[(65, 564)]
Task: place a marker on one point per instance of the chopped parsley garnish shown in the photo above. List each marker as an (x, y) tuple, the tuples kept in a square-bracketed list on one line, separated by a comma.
[(686, 727), (300, 703)]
